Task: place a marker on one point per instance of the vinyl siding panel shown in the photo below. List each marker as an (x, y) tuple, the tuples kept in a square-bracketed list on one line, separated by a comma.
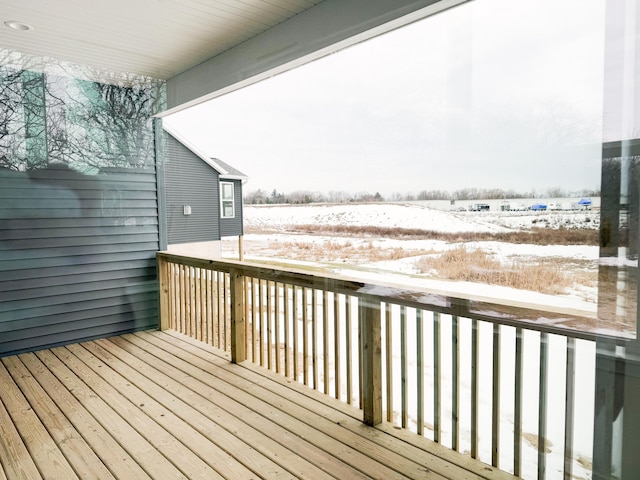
[(190, 181), (77, 256), (230, 227)]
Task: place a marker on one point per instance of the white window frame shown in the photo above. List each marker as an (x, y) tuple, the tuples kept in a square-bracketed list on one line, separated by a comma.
[(224, 200)]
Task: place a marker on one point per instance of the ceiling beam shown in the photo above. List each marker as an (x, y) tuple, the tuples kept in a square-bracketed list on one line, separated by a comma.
[(319, 31)]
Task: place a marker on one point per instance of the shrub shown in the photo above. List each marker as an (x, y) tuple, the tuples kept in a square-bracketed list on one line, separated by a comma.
[(478, 266)]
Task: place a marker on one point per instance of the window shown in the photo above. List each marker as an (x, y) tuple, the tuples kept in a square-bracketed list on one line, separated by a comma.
[(227, 200)]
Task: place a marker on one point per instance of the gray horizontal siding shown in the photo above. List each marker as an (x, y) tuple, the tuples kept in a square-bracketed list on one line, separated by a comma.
[(82, 255), (77, 256), (190, 181)]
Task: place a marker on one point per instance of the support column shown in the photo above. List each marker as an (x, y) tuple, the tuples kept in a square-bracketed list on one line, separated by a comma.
[(238, 327), (371, 360)]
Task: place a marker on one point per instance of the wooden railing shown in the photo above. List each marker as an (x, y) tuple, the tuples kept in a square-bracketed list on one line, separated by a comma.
[(468, 373)]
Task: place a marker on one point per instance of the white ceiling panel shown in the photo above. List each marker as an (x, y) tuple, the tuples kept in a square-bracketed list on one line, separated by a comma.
[(159, 38)]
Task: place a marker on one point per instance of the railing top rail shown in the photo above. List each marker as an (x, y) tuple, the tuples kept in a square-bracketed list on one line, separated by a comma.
[(275, 274), (543, 318)]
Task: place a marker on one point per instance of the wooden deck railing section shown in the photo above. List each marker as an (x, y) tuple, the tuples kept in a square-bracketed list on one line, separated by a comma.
[(468, 373)]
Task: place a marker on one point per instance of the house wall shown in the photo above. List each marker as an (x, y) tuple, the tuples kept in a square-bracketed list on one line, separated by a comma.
[(211, 249), (78, 209), (190, 181), (77, 256)]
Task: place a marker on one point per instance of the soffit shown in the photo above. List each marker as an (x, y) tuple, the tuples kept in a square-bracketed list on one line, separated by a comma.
[(158, 38)]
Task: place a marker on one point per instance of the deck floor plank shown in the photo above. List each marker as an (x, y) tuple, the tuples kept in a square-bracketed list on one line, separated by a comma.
[(190, 427), (107, 385), (15, 459), (78, 453), (228, 399), (159, 405), (291, 452), (110, 452), (42, 448), (362, 454), (439, 458), (143, 451), (436, 457)]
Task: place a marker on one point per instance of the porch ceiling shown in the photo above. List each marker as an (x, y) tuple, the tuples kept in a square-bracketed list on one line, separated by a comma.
[(159, 38)]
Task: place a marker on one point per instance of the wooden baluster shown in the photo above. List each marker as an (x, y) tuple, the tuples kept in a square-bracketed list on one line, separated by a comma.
[(437, 378), (495, 412), (276, 329), (475, 363), (305, 336), (404, 369), (349, 351), (336, 345), (517, 408), (420, 372), (314, 338), (570, 379), (455, 383), (389, 360), (325, 340), (542, 406)]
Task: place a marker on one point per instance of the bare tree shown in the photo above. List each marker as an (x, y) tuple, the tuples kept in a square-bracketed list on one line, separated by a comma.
[(86, 125)]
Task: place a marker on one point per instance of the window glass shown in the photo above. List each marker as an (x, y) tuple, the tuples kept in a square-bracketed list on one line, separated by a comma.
[(227, 199)]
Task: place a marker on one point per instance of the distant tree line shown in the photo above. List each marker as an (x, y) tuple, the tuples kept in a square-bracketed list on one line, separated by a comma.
[(261, 197), (298, 197)]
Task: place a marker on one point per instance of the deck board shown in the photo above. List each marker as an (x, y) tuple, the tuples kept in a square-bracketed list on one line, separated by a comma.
[(41, 446), (79, 455), (158, 405), (324, 435), (109, 451), (227, 412), (14, 456)]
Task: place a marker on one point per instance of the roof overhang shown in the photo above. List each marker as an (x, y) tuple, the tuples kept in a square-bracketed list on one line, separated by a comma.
[(322, 30), (202, 49)]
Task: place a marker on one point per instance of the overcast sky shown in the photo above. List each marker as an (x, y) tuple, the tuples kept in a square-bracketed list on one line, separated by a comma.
[(495, 93)]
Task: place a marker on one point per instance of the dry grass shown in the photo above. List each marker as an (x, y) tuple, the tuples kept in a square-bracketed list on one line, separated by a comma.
[(548, 275), (352, 245), (336, 251), (474, 265), (533, 440), (537, 236), (585, 462)]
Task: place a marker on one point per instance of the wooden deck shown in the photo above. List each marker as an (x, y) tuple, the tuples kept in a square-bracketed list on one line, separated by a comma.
[(160, 405)]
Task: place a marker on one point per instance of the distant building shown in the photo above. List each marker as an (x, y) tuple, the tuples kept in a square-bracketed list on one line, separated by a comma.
[(203, 199)]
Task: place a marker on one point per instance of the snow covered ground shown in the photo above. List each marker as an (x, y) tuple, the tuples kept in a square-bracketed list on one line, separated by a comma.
[(272, 232), (411, 215), (375, 214)]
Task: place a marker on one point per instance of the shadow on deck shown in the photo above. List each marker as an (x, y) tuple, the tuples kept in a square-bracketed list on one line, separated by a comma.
[(163, 406)]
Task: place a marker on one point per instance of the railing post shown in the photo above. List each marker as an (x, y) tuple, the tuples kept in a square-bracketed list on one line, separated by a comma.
[(163, 292), (238, 327), (371, 346)]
